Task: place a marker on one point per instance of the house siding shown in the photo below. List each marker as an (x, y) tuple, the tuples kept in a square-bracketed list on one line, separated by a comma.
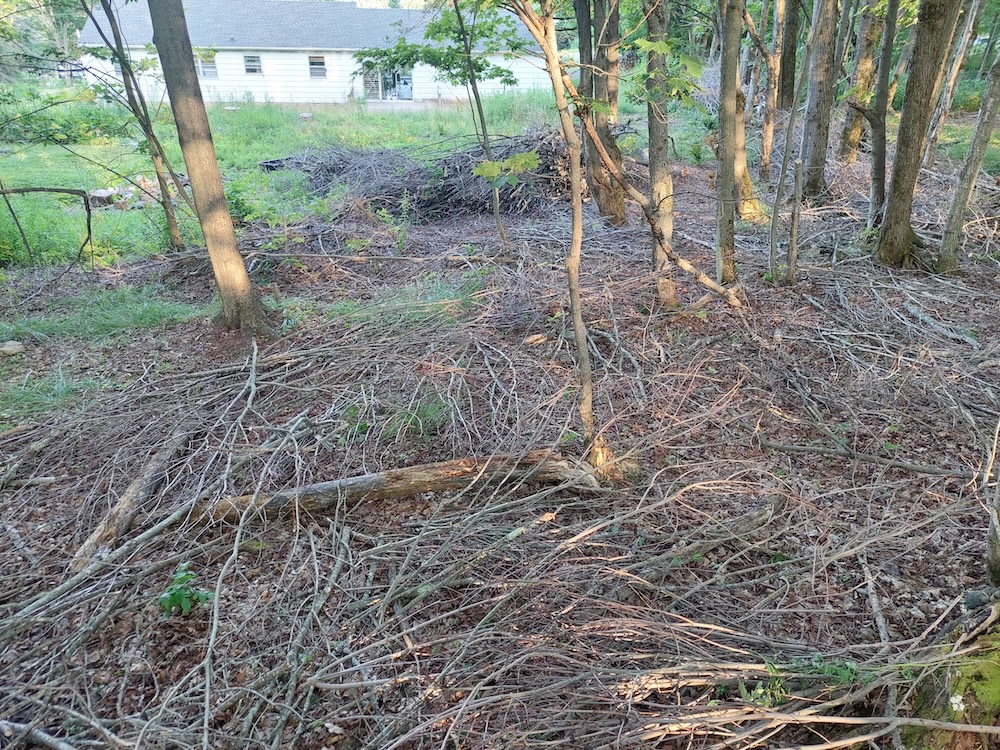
[(286, 78)]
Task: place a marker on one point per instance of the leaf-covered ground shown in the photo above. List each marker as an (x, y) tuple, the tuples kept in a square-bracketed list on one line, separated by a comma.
[(797, 522)]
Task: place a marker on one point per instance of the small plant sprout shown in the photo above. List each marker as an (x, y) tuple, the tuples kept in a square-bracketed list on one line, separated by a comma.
[(180, 595)]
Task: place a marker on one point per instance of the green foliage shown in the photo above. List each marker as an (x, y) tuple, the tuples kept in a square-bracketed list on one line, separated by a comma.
[(444, 47), (29, 114), (100, 314), (180, 595), (507, 171), (968, 95)]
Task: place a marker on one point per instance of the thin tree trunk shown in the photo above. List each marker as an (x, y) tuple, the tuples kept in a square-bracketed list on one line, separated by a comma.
[(819, 104), (241, 306), (542, 27), (935, 26), (661, 187), (725, 242), (990, 43), (480, 114), (748, 207), (877, 115), (137, 104), (792, 270), (952, 240), (607, 192), (961, 49), (845, 31), (789, 50), (772, 61), (862, 80), (902, 65)]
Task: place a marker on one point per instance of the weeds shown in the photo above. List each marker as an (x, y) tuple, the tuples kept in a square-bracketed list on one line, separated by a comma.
[(32, 398), (180, 595)]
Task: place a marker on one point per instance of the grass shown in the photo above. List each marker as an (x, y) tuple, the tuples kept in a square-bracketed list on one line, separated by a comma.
[(101, 314), (55, 224), (434, 297), (956, 137), (31, 398)]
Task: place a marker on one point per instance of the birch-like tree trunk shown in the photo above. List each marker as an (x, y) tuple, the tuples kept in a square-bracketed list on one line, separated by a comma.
[(936, 23), (952, 240), (241, 306)]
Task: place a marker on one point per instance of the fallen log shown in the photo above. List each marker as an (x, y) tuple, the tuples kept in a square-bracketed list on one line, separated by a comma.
[(544, 466), (140, 489)]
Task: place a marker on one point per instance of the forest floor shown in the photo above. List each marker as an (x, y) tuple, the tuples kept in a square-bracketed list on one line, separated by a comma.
[(796, 526)]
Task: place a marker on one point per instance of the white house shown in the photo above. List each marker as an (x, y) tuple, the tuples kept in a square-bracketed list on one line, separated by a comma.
[(292, 51)]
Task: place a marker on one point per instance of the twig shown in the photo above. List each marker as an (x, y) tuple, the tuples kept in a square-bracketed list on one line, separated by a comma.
[(869, 458), (11, 729)]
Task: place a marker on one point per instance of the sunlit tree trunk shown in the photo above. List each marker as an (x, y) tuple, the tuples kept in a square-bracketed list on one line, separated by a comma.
[(661, 187), (862, 80), (725, 242), (936, 22), (747, 206), (948, 260), (772, 62), (973, 11), (241, 306), (819, 103)]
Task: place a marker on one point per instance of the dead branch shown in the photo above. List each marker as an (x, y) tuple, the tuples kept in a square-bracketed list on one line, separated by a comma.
[(872, 459), (82, 194), (10, 729), (461, 474), (118, 519)]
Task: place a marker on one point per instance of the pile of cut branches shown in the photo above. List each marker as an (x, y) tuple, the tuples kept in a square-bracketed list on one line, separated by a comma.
[(391, 180)]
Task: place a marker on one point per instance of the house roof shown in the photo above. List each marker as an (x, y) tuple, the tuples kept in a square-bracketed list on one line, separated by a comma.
[(271, 24)]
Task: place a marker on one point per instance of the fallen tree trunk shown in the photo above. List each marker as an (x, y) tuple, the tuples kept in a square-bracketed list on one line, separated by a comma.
[(119, 518), (544, 466)]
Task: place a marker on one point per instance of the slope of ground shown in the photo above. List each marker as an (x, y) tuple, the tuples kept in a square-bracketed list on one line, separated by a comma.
[(798, 518)]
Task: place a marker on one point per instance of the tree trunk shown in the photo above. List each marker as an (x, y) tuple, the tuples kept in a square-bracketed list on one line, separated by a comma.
[(661, 186), (877, 116), (789, 50), (608, 194), (773, 60), (241, 307), (725, 243), (748, 207), (862, 80), (973, 13), (543, 28), (819, 103), (935, 25), (948, 261), (137, 105), (463, 474), (902, 65), (845, 30), (990, 43)]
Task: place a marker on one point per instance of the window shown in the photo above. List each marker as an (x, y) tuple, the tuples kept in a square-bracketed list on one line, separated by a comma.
[(317, 67), (118, 67), (204, 63), (252, 66)]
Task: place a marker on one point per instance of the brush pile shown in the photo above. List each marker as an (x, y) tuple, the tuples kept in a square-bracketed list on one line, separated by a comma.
[(393, 181)]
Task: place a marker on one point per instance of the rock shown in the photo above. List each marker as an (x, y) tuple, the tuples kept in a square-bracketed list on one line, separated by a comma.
[(102, 197), (11, 347)]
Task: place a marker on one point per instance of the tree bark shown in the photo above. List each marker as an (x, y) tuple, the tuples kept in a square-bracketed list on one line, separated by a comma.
[(877, 117), (725, 242), (845, 30), (789, 50), (462, 474), (902, 65), (607, 192), (819, 103), (952, 240), (772, 61), (241, 306), (862, 80), (747, 206), (990, 43), (661, 185), (973, 13), (936, 23)]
